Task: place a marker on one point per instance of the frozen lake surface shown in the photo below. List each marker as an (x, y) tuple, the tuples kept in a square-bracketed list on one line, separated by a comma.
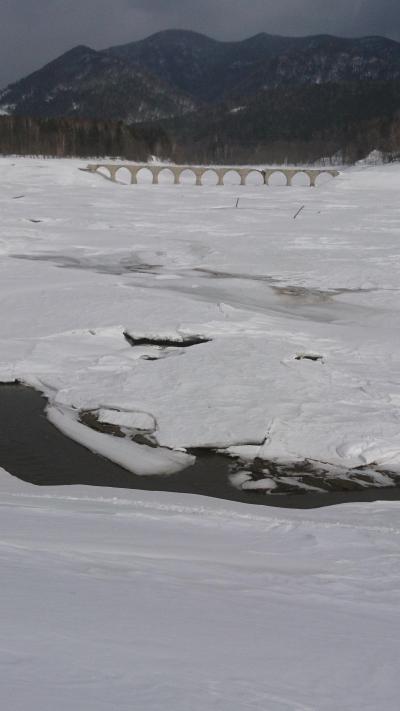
[(299, 317), (161, 319)]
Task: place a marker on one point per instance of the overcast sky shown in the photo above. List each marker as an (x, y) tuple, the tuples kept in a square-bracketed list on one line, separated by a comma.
[(32, 32)]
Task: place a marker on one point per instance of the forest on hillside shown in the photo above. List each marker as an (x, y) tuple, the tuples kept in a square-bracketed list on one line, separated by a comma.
[(337, 123)]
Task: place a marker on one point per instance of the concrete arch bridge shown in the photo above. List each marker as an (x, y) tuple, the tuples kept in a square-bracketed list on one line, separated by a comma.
[(178, 173)]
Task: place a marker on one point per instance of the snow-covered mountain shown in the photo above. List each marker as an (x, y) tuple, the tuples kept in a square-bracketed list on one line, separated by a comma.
[(174, 72)]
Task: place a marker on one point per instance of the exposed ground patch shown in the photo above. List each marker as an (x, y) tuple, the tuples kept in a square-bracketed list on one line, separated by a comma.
[(304, 477), (164, 342), (91, 418), (309, 356)]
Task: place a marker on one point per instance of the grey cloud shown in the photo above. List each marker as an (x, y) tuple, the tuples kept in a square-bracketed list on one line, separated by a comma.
[(33, 32)]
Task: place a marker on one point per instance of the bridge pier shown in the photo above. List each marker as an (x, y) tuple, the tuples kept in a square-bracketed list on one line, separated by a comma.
[(313, 177), (113, 171), (133, 173), (289, 177), (220, 174)]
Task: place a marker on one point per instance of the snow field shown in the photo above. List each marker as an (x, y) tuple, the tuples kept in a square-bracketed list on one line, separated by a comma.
[(166, 602)]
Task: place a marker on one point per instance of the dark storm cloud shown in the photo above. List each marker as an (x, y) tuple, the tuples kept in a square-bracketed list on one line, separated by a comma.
[(33, 32)]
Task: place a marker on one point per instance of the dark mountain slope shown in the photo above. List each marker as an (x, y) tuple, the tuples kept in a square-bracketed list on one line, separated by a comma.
[(195, 64), (90, 84), (210, 70), (325, 59)]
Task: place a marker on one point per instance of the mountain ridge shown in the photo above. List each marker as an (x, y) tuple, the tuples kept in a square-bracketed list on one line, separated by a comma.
[(174, 72)]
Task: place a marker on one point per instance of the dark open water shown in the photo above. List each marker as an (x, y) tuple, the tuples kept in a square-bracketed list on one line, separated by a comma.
[(35, 451)]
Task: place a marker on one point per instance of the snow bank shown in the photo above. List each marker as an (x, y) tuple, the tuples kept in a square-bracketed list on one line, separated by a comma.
[(140, 459)]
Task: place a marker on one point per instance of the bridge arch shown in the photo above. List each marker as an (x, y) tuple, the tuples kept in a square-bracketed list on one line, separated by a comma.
[(209, 177), (145, 176), (254, 177), (166, 176), (123, 175), (187, 176), (323, 177), (301, 178), (232, 177), (104, 171), (277, 178)]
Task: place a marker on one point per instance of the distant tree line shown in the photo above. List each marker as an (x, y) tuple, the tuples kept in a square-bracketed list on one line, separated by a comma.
[(339, 121), (65, 137)]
